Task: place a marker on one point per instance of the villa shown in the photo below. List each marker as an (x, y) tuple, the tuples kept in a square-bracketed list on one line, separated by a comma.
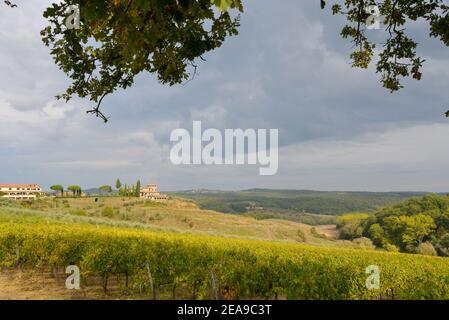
[(21, 191), (151, 192)]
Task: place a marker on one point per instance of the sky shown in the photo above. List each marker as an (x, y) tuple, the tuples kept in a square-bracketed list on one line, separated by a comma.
[(288, 69)]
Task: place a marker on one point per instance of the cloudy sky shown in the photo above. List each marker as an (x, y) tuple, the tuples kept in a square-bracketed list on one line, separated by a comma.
[(288, 70)]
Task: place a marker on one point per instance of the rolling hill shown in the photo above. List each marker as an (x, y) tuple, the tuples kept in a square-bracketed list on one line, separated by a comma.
[(132, 249), (305, 206)]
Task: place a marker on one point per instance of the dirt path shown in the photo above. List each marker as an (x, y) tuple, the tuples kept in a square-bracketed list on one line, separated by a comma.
[(329, 230), (42, 284), (16, 285)]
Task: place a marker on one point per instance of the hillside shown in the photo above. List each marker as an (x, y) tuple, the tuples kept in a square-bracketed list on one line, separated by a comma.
[(310, 207), (175, 215), (127, 248), (124, 262)]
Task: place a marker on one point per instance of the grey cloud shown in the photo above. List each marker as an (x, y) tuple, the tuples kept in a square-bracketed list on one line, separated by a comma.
[(288, 69)]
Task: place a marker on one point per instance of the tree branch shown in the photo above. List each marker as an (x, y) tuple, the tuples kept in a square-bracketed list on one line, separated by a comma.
[(96, 111)]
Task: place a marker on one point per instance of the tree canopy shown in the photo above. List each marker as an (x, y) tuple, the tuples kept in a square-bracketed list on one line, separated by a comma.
[(105, 189), (398, 56), (75, 189), (58, 188), (116, 40), (417, 225)]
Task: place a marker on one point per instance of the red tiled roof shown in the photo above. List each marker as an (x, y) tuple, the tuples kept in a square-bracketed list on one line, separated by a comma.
[(19, 186)]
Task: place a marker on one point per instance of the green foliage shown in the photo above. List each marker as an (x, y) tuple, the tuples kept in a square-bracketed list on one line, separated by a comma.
[(410, 224), (408, 231), (78, 212), (137, 191), (441, 244), (118, 184), (119, 39), (351, 226), (107, 212), (243, 269), (224, 5), (391, 247), (106, 189), (58, 188), (398, 56), (301, 235), (76, 190), (316, 234), (377, 234), (132, 191)]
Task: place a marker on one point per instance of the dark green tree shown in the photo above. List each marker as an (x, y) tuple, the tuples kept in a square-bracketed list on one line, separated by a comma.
[(118, 184), (58, 188), (137, 191), (408, 232), (351, 226), (76, 190), (106, 189)]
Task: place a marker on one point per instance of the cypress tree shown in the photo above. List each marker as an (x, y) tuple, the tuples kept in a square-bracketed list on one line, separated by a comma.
[(137, 192)]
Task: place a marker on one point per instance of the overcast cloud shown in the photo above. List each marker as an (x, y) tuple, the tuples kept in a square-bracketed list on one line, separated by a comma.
[(288, 69)]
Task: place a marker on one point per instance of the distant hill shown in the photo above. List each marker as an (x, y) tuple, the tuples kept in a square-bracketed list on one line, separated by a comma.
[(305, 206)]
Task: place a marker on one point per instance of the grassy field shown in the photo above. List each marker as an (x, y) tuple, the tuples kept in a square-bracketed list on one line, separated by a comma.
[(175, 215), (116, 241)]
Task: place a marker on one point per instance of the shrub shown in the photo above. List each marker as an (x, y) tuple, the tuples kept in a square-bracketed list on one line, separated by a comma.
[(315, 233), (301, 235), (107, 212), (78, 212), (426, 248), (363, 243), (391, 247)]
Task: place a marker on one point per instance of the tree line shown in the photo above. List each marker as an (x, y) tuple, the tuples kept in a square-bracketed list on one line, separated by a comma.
[(75, 189), (418, 225), (122, 190)]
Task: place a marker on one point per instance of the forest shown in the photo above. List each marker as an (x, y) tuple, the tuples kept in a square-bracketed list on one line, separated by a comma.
[(418, 225)]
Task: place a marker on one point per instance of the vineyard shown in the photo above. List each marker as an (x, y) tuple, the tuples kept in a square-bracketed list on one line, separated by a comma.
[(207, 267)]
